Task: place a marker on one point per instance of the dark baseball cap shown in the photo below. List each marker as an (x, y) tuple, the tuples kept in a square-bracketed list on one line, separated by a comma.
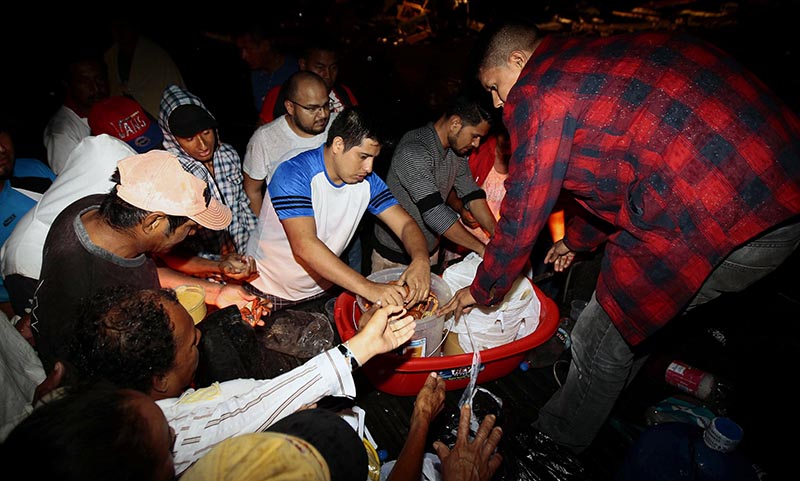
[(189, 119)]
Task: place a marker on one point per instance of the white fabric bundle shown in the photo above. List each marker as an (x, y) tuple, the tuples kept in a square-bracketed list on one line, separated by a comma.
[(514, 318)]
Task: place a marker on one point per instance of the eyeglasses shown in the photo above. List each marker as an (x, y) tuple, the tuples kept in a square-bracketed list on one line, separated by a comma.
[(313, 109)]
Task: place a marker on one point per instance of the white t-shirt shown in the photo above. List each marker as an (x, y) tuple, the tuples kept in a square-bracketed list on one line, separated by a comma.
[(275, 142), (63, 133), (87, 171), (301, 188)]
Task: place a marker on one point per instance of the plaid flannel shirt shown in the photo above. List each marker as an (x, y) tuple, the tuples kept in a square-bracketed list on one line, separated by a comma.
[(676, 152), (226, 185)]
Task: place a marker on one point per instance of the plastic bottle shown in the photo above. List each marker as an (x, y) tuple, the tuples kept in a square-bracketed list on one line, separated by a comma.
[(701, 384), (682, 451)]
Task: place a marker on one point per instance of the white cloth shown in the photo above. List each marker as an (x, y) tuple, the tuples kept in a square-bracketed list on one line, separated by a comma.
[(62, 134), (20, 373), (204, 417), (87, 171), (514, 318), (275, 142)]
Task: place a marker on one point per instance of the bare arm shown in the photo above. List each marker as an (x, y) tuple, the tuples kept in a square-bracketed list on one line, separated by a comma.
[(231, 266), (220, 295), (190, 265), (427, 406), (312, 252), (457, 205), (252, 188), (458, 234), (418, 274), (479, 208)]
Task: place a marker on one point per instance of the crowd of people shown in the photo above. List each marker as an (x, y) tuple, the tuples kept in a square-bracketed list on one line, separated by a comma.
[(686, 169)]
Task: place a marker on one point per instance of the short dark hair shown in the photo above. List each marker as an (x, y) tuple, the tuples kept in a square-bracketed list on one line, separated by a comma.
[(125, 336), (353, 125), (97, 432), (121, 215), (469, 110), (505, 39)]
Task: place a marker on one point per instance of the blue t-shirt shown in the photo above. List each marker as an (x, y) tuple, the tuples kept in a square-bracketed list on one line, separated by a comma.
[(263, 81), (301, 188), (20, 193)]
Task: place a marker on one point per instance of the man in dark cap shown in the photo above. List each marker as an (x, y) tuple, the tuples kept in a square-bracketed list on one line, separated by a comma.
[(190, 132)]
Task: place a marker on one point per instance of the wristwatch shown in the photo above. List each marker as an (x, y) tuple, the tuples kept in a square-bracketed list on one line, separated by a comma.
[(349, 356)]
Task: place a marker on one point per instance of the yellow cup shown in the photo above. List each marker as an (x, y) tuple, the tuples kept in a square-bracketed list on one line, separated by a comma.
[(193, 298)]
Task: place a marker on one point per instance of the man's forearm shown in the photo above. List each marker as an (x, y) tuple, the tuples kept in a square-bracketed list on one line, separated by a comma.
[(480, 210), (461, 236), (414, 242), (324, 262), (191, 265), (252, 188), (170, 278)]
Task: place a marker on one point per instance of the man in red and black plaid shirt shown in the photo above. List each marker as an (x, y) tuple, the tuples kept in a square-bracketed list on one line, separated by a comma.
[(686, 165)]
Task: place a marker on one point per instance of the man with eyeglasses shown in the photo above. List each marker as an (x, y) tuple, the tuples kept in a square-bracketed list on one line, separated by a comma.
[(303, 127), (321, 56)]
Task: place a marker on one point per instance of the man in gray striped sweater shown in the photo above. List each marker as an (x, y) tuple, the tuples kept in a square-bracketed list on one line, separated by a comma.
[(427, 163)]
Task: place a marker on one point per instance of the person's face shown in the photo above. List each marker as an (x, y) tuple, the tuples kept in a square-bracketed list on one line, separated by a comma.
[(200, 146), (87, 83), (254, 52), (352, 166), (164, 240), (187, 340), (323, 63), (161, 435), (310, 111), (464, 138), (499, 80), (7, 156)]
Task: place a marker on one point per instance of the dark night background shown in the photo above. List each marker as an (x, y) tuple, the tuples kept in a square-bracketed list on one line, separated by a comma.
[(406, 84)]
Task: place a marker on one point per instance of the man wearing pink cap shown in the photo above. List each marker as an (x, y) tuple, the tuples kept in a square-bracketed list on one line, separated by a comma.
[(101, 241)]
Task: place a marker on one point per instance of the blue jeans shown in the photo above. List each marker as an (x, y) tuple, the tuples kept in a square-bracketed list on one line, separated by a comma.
[(603, 362)]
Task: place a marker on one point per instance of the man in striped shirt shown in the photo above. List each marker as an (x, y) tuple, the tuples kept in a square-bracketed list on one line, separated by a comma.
[(427, 164)]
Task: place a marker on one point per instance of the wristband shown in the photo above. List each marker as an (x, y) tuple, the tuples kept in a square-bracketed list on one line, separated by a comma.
[(344, 348)]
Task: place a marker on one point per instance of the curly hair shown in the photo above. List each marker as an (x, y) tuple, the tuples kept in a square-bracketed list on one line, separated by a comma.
[(124, 335), (96, 432)]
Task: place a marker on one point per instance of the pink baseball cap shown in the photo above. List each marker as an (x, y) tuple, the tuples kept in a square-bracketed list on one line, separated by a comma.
[(156, 182)]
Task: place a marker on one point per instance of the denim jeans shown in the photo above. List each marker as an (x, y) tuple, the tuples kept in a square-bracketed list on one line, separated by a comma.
[(603, 362)]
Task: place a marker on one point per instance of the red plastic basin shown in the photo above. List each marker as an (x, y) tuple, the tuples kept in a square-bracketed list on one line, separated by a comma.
[(404, 376)]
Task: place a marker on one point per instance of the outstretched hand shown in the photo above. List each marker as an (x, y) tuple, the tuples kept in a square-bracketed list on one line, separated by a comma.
[(386, 329), (474, 460), (430, 400), (230, 294), (560, 255), (460, 303)]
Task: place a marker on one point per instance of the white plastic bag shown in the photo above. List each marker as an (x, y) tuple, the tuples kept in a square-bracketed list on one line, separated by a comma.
[(514, 318)]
